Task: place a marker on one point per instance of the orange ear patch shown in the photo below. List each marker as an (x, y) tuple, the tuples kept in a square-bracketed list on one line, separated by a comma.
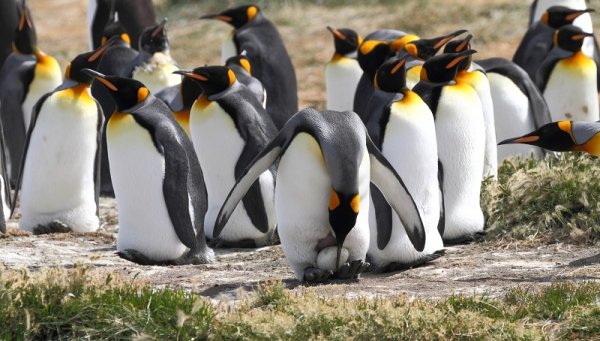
[(355, 204), (142, 94), (334, 201)]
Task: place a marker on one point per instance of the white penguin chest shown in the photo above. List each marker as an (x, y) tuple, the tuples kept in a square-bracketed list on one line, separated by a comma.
[(341, 78), (228, 49), (45, 79)]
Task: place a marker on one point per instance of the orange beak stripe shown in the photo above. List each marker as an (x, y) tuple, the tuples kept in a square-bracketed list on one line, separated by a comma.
[(398, 66), (107, 83), (223, 18), (527, 139), (455, 61), (578, 37), (195, 76), (98, 53)]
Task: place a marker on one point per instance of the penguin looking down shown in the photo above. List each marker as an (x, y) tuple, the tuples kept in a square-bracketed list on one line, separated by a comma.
[(342, 72), (158, 182), (265, 50), (60, 194), (229, 128), (241, 67)]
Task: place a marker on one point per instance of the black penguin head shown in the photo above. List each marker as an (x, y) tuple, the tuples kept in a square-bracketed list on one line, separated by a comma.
[(555, 136), (190, 90), (371, 54), (343, 211), (240, 60), (391, 76), (88, 60), (126, 92), (570, 38), (558, 16), (443, 68), (460, 45), (237, 16), (25, 39), (114, 29), (212, 79), (424, 49), (346, 41), (154, 38)]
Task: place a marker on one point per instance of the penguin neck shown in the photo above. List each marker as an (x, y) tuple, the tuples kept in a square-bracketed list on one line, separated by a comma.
[(340, 56), (232, 88), (138, 106)]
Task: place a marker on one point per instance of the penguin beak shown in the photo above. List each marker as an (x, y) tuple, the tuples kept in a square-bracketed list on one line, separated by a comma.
[(101, 78), (190, 74), (526, 139), (336, 33), (342, 218), (462, 55), (101, 50), (576, 14), (582, 36), (159, 28), (447, 38), (224, 18), (400, 64), (462, 46)]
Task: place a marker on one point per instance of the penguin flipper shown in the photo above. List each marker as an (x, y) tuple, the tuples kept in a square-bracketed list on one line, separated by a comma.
[(395, 192), (34, 116), (597, 61), (383, 217), (97, 158), (4, 178), (253, 200), (442, 221)]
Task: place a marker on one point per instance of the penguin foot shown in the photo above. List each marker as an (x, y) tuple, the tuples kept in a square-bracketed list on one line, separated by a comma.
[(137, 257), (54, 227), (316, 275), (194, 258), (351, 270), (466, 239), (399, 266)]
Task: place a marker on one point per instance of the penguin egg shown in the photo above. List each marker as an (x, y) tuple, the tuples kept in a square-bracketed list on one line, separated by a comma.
[(326, 258)]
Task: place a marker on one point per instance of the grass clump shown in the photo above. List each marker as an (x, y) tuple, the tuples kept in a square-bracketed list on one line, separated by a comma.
[(555, 199)]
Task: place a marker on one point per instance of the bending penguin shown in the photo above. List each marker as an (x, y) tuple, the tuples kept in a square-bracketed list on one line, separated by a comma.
[(271, 64), (26, 76), (342, 73), (59, 176), (405, 134), (158, 181), (326, 164), (229, 128), (460, 132), (241, 67), (568, 78)]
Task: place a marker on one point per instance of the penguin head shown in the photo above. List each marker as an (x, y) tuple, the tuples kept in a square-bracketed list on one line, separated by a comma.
[(371, 54), (346, 41), (190, 90), (115, 29), (212, 79), (343, 211), (237, 16), (556, 136), (424, 49), (154, 38), (570, 38), (25, 39), (460, 45), (558, 16), (126, 92), (88, 60), (240, 60), (443, 68), (391, 76)]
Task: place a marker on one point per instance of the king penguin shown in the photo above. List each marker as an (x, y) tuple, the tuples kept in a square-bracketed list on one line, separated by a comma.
[(271, 64), (460, 132), (241, 67), (60, 170), (154, 65), (180, 99), (160, 191), (27, 75), (568, 78), (537, 42), (405, 133), (563, 136), (519, 107), (342, 73), (326, 164), (229, 128), (473, 75), (9, 18)]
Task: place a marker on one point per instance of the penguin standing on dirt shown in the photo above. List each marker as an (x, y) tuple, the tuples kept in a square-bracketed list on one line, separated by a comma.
[(135, 15), (158, 181), (154, 66), (26, 76), (537, 42), (342, 73), (563, 136), (241, 67), (519, 107), (405, 134), (568, 78), (229, 128), (460, 132), (180, 98), (60, 171), (9, 19), (271, 64), (473, 75), (326, 164)]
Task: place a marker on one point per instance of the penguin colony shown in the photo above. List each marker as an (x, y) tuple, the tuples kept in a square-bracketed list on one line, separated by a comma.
[(220, 156)]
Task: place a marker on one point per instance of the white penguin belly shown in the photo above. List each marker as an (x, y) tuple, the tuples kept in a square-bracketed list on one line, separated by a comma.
[(138, 171), (301, 202), (341, 79), (571, 92), (512, 117), (42, 83), (228, 49), (410, 146), (58, 178), (157, 73), (219, 146), (460, 135)]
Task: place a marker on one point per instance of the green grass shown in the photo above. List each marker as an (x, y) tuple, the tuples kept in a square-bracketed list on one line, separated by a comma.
[(556, 199), (61, 304)]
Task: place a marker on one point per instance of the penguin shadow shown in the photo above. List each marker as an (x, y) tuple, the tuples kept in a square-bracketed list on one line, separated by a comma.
[(591, 260), (232, 289), (395, 268)]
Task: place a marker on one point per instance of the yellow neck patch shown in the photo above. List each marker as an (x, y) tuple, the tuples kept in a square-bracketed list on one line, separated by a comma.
[(202, 102), (566, 127), (368, 46), (246, 65), (401, 42)]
